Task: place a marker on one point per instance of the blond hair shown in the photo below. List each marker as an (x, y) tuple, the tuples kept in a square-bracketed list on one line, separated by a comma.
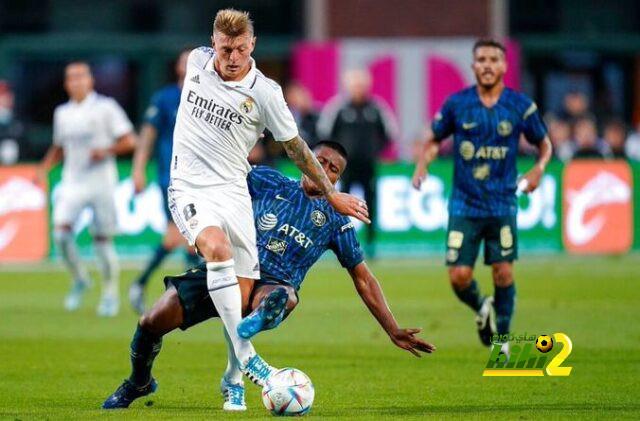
[(232, 22)]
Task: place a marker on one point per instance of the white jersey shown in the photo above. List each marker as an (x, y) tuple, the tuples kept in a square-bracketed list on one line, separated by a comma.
[(79, 127), (219, 122)]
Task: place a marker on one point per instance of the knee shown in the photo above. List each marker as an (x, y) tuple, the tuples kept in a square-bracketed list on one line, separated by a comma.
[(502, 275), (292, 301), (215, 247), (148, 321), (460, 276)]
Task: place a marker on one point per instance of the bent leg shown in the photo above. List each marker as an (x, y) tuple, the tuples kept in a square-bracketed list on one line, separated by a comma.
[(164, 316), (465, 287), (270, 304)]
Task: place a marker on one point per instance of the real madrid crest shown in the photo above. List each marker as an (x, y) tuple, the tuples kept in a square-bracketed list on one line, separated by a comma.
[(505, 128), (318, 218), (247, 105)]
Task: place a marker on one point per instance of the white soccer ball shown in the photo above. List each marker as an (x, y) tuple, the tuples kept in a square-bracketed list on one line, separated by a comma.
[(288, 392)]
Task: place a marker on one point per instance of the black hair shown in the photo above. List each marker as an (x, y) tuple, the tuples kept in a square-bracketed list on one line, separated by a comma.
[(488, 42), (335, 146)]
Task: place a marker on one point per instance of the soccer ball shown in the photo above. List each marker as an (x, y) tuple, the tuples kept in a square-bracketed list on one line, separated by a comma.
[(288, 392), (544, 343)]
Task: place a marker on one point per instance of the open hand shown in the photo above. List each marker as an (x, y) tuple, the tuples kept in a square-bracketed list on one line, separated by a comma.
[(349, 205), (407, 339)]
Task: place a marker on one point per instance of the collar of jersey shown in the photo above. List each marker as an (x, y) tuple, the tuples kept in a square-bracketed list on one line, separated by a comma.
[(87, 100), (245, 82)]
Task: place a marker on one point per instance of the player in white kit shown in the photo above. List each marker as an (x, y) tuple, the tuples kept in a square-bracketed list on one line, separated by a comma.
[(225, 106), (88, 132)]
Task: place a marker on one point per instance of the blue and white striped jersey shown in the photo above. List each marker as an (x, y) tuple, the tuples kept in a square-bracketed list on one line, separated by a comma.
[(294, 230)]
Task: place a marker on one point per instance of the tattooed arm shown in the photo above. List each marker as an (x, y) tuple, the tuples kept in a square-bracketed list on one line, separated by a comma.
[(307, 162)]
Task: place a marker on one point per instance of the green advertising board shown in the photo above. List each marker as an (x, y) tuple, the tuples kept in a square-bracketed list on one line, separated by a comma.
[(408, 223), (411, 222)]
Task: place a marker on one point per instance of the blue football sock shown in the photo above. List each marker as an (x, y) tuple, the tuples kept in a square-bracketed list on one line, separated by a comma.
[(145, 346), (470, 295), (153, 264), (505, 301)]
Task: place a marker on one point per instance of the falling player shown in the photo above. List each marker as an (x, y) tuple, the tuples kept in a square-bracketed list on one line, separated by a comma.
[(159, 122), (226, 104), (486, 121), (88, 131), (295, 227)]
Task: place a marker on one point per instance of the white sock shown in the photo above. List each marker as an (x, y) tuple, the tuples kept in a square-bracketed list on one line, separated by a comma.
[(227, 298), (67, 247), (108, 267), (232, 374)]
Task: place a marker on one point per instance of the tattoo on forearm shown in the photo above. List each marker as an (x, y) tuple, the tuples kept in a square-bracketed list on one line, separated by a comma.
[(304, 159)]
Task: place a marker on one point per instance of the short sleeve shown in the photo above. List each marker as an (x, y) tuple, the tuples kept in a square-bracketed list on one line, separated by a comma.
[(153, 113), (345, 245), (119, 123), (534, 128), (262, 178), (57, 129), (278, 118), (443, 122)]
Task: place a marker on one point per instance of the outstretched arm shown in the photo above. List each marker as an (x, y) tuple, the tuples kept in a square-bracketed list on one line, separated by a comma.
[(369, 290), (306, 161)]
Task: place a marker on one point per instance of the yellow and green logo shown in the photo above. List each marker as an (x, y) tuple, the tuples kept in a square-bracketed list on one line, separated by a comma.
[(530, 356)]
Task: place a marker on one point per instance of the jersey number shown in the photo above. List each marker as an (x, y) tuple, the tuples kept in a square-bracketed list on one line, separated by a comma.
[(189, 211)]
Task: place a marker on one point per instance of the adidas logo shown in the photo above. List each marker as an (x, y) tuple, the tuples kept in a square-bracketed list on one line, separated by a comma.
[(195, 79)]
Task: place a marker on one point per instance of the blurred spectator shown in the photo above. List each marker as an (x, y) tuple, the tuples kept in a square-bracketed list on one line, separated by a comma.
[(575, 106), (12, 131), (300, 103), (615, 135), (588, 145), (560, 135), (364, 126), (632, 145)]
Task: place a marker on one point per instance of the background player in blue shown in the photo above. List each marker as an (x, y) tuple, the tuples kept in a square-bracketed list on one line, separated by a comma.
[(295, 227), (157, 135), (486, 121)]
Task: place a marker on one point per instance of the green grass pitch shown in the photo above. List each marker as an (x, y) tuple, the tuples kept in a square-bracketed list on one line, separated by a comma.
[(58, 365)]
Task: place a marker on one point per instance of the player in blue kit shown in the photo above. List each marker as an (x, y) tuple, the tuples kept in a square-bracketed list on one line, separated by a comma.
[(157, 136), (295, 226), (486, 121)]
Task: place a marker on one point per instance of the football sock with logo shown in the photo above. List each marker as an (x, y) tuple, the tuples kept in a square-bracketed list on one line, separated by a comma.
[(159, 255), (232, 374), (505, 300), (69, 252), (470, 295), (108, 266), (145, 347), (227, 298)]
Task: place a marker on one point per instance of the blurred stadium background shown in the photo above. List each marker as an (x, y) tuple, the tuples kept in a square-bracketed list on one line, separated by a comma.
[(578, 59)]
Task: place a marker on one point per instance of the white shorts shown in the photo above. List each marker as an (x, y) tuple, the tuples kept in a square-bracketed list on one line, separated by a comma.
[(229, 208), (72, 199)]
